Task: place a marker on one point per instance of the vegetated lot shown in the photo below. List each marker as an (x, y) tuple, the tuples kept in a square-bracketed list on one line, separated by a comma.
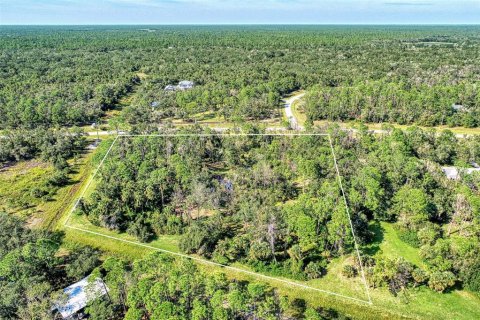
[(229, 198), (272, 205)]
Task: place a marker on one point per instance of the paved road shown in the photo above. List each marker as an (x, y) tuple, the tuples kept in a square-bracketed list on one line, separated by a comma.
[(289, 112)]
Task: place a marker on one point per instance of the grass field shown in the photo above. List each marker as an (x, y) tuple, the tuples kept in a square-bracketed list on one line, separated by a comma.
[(379, 126), (19, 182)]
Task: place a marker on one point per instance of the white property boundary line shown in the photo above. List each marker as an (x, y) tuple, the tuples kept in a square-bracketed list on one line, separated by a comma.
[(204, 261)]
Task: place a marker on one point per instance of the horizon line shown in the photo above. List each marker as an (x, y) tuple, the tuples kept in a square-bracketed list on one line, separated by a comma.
[(244, 24)]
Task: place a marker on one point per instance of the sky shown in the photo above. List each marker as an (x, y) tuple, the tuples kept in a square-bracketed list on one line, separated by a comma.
[(239, 12)]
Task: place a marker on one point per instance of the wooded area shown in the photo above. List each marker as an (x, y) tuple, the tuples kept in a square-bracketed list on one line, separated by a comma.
[(268, 204), (274, 203), (54, 76)]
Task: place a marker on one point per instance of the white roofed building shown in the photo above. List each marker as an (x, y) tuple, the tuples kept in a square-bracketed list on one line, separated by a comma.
[(79, 295), (453, 173), (170, 88), (184, 85)]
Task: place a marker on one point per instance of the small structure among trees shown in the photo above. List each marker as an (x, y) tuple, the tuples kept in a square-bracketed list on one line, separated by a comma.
[(453, 173), (79, 295), (182, 85), (170, 87)]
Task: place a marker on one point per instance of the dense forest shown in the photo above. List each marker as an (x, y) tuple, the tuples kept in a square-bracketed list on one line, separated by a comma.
[(32, 272), (398, 102), (222, 194), (51, 76), (274, 203)]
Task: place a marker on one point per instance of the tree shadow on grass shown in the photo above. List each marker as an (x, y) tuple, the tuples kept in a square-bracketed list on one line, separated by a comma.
[(378, 231)]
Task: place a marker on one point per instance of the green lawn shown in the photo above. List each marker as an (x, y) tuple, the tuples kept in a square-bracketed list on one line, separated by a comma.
[(389, 244)]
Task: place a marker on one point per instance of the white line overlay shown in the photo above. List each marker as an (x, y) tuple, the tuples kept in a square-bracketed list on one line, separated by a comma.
[(204, 261)]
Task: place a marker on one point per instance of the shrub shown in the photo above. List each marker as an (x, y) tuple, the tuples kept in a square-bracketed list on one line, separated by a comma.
[(349, 271), (260, 251), (440, 281), (419, 276), (141, 230), (38, 193), (396, 274), (174, 225), (194, 238), (429, 234), (58, 178), (409, 236), (471, 277), (315, 270)]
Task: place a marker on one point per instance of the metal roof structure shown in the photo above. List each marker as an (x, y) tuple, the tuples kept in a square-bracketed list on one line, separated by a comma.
[(78, 296)]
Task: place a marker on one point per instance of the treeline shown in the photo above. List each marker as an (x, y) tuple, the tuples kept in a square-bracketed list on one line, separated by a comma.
[(274, 203), (54, 146), (402, 103), (162, 287)]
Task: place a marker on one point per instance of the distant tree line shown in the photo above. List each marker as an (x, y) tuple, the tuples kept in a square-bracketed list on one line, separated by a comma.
[(54, 76), (402, 103)]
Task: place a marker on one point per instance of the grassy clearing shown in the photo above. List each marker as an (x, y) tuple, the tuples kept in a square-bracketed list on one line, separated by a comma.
[(456, 130), (168, 242), (213, 121), (387, 243), (21, 184), (18, 184), (380, 126)]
